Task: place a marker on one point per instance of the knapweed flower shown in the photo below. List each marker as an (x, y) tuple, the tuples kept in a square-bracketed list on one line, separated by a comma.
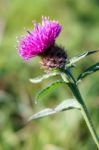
[(41, 42), (40, 39)]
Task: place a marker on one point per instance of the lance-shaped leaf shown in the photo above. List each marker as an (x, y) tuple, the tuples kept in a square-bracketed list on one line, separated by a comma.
[(79, 57), (68, 104), (64, 105), (88, 71), (48, 89), (45, 76), (43, 113)]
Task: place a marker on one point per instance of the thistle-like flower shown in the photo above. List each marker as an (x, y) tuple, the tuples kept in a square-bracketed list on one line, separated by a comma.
[(40, 42)]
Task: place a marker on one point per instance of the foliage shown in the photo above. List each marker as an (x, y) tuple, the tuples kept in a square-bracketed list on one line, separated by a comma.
[(80, 23)]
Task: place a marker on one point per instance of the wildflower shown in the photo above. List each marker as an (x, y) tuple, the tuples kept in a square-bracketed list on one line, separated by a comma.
[(41, 42), (40, 39)]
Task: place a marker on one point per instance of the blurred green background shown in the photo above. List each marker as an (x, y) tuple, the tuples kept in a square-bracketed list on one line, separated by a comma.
[(64, 131)]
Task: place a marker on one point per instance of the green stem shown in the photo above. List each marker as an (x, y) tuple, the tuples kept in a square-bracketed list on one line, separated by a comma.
[(85, 113)]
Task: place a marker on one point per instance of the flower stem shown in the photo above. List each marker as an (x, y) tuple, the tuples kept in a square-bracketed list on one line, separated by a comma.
[(84, 111)]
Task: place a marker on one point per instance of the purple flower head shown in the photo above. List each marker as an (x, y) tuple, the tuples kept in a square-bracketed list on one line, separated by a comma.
[(40, 39)]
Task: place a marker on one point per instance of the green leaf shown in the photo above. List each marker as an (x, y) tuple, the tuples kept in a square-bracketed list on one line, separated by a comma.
[(43, 113), (81, 56), (88, 71), (45, 76), (63, 106), (48, 89), (68, 104)]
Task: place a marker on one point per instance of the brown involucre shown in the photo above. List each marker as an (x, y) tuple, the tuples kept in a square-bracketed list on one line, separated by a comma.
[(54, 57)]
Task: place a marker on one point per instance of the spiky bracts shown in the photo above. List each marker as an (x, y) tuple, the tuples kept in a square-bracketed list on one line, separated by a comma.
[(55, 57)]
